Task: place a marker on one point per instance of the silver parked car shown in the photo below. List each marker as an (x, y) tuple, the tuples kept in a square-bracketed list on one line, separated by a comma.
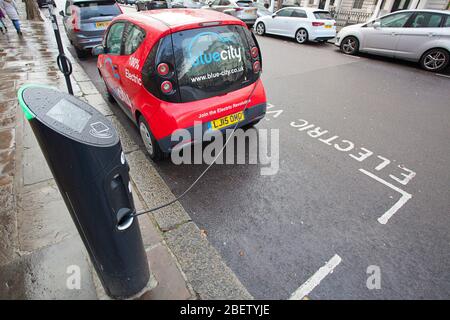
[(85, 22), (417, 35), (231, 7)]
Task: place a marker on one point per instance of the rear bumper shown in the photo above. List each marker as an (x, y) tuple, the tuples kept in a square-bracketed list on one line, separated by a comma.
[(318, 35), (251, 114), (86, 42)]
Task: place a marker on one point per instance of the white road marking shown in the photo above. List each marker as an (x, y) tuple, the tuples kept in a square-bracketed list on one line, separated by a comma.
[(276, 112), (316, 278), (403, 199), (442, 75)]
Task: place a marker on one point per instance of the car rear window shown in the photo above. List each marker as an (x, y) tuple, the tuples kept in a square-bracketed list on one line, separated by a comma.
[(323, 15), (212, 61), (94, 9)]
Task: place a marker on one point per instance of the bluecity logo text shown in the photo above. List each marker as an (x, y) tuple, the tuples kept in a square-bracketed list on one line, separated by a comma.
[(228, 53)]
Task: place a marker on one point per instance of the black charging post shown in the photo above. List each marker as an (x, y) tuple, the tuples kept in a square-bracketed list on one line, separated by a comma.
[(85, 156)]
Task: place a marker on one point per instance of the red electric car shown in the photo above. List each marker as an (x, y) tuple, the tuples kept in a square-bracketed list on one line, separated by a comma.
[(179, 68)]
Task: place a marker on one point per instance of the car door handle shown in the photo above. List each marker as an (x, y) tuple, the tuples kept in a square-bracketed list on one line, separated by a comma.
[(393, 34), (431, 34)]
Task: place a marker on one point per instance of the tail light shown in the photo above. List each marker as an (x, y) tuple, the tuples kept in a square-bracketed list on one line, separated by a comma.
[(75, 21), (254, 52), (317, 24), (256, 66), (166, 87), (162, 69)]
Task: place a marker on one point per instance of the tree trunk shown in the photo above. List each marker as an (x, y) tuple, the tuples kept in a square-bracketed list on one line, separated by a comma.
[(33, 12)]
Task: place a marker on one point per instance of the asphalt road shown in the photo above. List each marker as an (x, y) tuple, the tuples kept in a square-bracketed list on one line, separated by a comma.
[(323, 204)]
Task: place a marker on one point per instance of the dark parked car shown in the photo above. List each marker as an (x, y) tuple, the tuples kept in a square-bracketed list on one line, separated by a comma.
[(85, 22), (142, 5)]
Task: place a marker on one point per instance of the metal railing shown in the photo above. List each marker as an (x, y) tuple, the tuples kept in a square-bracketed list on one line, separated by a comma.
[(347, 17)]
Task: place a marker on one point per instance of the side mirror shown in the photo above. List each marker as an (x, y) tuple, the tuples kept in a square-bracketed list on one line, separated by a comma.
[(61, 13), (98, 50), (376, 25), (274, 15)]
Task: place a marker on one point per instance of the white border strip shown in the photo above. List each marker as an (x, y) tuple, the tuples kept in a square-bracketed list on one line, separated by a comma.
[(316, 278), (403, 199)]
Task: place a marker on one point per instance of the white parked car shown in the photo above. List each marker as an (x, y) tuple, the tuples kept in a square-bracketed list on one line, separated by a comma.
[(417, 35), (232, 7), (303, 24)]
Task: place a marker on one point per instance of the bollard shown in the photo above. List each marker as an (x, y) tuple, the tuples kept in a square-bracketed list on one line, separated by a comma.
[(85, 156)]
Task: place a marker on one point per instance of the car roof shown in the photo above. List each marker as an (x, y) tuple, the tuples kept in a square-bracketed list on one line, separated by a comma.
[(425, 10), (180, 19)]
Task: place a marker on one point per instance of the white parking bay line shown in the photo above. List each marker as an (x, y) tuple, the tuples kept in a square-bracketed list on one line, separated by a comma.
[(316, 278), (403, 199), (443, 75)]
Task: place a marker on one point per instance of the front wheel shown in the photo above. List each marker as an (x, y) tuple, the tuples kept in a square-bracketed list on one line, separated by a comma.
[(260, 29), (350, 45), (150, 143), (81, 54), (435, 60), (301, 36)]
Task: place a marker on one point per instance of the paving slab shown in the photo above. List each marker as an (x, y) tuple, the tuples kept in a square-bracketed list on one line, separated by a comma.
[(171, 283), (43, 218), (44, 274)]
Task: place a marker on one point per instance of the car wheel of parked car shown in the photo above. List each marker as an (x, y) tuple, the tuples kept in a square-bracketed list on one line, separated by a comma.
[(151, 145), (435, 60), (137, 8), (350, 45), (260, 29), (301, 36), (82, 54)]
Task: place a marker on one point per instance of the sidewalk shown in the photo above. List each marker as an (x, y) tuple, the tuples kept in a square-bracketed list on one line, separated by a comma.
[(38, 240)]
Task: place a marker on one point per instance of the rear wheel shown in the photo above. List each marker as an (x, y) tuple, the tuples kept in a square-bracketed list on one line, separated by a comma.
[(150, 143), (350, 45), (301, 36), (260, 29), (435, 60)]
